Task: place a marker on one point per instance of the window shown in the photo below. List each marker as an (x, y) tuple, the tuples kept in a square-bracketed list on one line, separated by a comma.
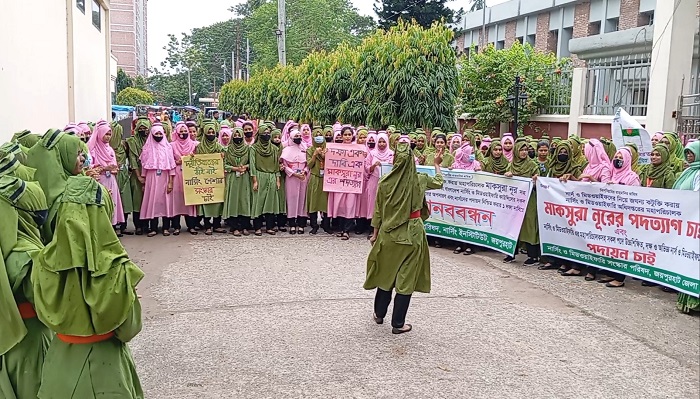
[(81, 5), (97, 15), (530, 39), (519, 39), (500, 45), (612, 25), (594, 28)]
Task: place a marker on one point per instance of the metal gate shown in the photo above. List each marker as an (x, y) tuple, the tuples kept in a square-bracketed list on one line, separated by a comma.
[(688, 117)]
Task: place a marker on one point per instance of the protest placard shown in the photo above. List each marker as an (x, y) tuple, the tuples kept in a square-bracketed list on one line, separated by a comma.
[(476, 207), (344, 168), (649, 233), (203, 179)]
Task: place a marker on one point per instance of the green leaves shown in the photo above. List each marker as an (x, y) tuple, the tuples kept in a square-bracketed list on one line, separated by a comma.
[(132, 96), (406, 77)]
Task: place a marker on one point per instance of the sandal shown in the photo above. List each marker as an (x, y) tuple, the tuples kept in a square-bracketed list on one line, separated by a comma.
[(166, 233), (208, 232), (300, 230), (292, 230), (572, 273), (139, 232), (245, 233), (258, 233), (176, 232), (236, 233), (194, 232), (457, 250), (271, 232), (589, 277), (339, 234), (610, 285), (378, 320), (547, 266), (220, 230), (406, 328), (151, 234), (468, 251), (605, 280), (127, 233), (345, 237)]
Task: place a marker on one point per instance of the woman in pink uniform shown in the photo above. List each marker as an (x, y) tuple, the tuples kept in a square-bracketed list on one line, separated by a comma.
[(344, 206), (380, 153), (293, 159), (183, 145), (158, 167), (104, 162)]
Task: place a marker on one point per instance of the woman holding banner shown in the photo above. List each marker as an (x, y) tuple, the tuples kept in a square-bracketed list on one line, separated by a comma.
[(689, 180), (344, 206), (524, 166), (659, 173), (211, 213), (495, 161), (400, 258), (316, 198)]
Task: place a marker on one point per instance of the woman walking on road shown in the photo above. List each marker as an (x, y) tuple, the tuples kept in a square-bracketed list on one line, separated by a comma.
[(400, 258)]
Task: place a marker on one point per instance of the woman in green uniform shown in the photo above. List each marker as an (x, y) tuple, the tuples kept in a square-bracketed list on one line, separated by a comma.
[(689, 180), (211, 212), (10, 164), (85, 291), (316, 198), (119, 147), (400, 258), (659, 173), (265, 172), (24, 340), (135, 146), (495, 162), (238, 184)]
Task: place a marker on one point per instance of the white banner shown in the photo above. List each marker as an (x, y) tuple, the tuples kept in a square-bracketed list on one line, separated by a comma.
[(650, 233), (476, 207), (626, 129)]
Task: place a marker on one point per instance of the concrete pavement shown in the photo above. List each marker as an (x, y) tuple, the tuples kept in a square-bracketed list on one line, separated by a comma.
[(286, 317)]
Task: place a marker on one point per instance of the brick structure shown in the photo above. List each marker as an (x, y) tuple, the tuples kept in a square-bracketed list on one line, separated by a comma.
[(460, 44), (630, 17), (483, 42), (510, 33), (545, 40), (128, 29)]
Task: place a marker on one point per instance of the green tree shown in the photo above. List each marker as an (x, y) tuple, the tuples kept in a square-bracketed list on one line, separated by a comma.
[(312, 25), (123, 81), (132, 96), (477, 5), (140, 83), (423, 12)]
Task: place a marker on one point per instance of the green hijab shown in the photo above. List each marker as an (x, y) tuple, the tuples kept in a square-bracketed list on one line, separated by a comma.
[(26, 138), (84, 282), (11, 166), (559, 169), (328, 131), (116, 142), (209, 147), (636, 167), (267, 155), (675, 153), (136, 141), (660, 171), (18, 233), (54, 158), (576, 153), (526, 167), (237, 154), (610, 149), (402, 190), (498, 166), (686, 179)]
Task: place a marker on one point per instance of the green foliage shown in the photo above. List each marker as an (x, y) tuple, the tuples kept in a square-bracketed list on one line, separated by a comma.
[(312, 25), (140, 83), (123, 81), (477, 5), (487, 78), (406, 76), (132, 96), (425, 13)]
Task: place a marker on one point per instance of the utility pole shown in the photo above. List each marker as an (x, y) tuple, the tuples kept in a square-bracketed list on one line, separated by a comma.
[(482, 45), (247, 60), (233, 65), (238, 58), (281, 32), (189, 85)]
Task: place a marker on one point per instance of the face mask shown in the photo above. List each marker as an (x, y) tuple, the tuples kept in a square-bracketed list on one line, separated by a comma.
[(87, 162), (562, 158), (551, 150), (210, 137), (184, 136), (329, 139), (39, 216), (413, 146), (617, 163), (531, 154), (472, 157), (319, 139), (478, 144), (158, 139), (237, 140), (297, 140), (279, 144), (265, 137), (84, 139), (142, 132), (248, 134), (371, 145)]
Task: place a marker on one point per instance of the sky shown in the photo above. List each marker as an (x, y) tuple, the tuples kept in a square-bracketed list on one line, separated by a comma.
[(178, 16)]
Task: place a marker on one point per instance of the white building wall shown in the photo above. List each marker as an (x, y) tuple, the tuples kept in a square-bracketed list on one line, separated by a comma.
[(36, 65)]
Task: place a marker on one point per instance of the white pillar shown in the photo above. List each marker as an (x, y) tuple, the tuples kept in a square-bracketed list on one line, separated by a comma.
[(671, 60), (578, 99)]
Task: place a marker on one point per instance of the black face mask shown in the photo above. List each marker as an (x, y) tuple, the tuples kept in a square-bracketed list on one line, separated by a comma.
[(184, 136), (142, 132), (329, 139), (413, 146), (371, 145), (339, 141), (265, 137), (158, 139), (210, 137), (39, 216), (531, 154), (84, 139), (562, 158), (297, 140), (478, 144), (248, 134), (277, 144), (237, 140), (617, 163), (551, 150)]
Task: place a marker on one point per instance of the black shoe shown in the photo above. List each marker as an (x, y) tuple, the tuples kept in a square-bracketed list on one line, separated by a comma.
[(648, 284), (530, 261), (406, 328), (508, 259), (314, 230)]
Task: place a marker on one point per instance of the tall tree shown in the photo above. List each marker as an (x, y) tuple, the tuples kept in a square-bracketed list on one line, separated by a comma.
[(424, 12), (312, 25), (123, 81), (477, 5)]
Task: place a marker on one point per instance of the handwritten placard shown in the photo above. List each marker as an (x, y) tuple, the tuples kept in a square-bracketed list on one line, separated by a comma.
[(203, 179), (344, 168)]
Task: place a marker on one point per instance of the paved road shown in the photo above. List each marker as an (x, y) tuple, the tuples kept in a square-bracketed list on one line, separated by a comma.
[(286, 317)]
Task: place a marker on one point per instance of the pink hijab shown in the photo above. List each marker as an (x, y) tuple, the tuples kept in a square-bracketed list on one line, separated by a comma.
[(306, 137), (382, 156), (83, 129), (456, 138), (293, 152), (625, 175), (462, 161), (508, 154), (225, 130), (371, 135), (102, 153), (286, 131), (72, 128), (182, 146), (157, 155), (598, 162)]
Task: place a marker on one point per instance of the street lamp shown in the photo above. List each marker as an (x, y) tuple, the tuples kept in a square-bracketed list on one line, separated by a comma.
[(516, 101)]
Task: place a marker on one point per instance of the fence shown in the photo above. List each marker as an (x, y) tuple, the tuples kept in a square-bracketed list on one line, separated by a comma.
[(688, 113), (621, 81), (559, 93)]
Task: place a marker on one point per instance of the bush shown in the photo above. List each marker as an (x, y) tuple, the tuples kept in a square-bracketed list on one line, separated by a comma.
[(132, 96)]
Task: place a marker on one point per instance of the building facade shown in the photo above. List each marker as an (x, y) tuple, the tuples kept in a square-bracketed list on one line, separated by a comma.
[(128, 24), (59, 73)]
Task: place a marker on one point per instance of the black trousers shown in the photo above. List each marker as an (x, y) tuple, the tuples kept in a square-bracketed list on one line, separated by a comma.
[(345, 224), (239, 222), (299, 221), (281, 220), (401, 302), (174, 222), (122, 226), (192, 221), (138, 223), (212, 222), (325, 220), (533, 251), (269, 221), (362, 225)]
